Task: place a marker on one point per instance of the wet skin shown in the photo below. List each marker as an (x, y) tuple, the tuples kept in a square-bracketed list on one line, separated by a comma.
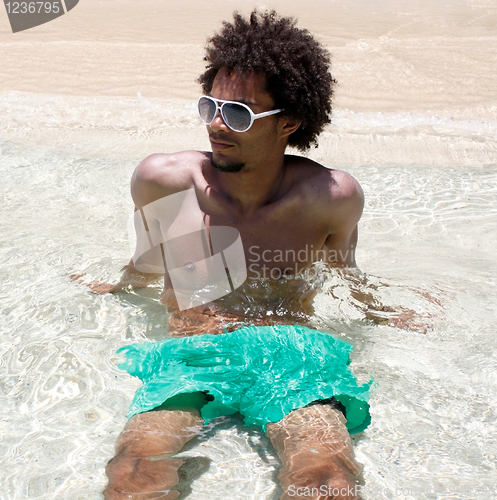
[(277, 203)]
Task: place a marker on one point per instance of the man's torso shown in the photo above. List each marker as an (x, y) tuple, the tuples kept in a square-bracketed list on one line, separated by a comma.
[(280, 239)]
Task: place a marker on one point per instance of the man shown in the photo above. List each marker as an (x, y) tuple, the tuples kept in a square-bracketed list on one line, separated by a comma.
[(289, 212)]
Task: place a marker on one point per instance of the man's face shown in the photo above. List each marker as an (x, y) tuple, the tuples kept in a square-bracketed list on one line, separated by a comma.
[(235, 151)]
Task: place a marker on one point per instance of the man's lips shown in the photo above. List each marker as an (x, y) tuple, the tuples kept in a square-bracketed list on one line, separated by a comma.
[(219, 144)]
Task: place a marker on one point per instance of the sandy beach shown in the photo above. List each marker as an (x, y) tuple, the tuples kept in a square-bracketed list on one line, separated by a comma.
[(434, 62)]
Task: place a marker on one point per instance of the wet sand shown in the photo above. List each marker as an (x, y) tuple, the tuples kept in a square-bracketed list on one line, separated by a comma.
[(387, 55)]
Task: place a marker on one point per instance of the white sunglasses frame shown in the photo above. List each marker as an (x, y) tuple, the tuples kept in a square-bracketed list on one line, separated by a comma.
[(219, 109)]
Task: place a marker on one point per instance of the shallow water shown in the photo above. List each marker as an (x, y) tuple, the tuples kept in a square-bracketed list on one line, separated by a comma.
[(426, 156), (434, 404)]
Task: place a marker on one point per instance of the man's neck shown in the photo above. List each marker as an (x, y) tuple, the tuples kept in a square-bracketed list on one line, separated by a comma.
[(251, 188)]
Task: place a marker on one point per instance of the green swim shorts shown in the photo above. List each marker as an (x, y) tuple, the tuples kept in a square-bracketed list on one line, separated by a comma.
[(262, 372)]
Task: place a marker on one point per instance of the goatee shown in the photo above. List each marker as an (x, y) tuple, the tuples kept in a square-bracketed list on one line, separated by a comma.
[(229, 167)]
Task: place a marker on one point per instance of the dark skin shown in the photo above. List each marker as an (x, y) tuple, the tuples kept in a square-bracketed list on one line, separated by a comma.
[(277, 203)]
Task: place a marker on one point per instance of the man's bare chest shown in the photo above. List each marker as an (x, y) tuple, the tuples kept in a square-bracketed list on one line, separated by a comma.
[(288, 243), (285, 236)]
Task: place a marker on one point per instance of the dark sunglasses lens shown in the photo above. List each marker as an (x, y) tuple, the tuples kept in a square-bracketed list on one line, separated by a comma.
[(206, 109), (236, 117)]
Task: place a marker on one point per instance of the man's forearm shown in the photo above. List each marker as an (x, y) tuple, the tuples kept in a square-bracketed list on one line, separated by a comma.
[(131, 277)]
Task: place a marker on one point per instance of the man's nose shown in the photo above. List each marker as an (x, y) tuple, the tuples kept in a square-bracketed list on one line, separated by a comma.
[(218, 122)]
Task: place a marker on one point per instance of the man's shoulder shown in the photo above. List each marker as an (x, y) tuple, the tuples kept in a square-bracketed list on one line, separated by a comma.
[(161, 166), (331, 196), (323, 183), (162, 174)]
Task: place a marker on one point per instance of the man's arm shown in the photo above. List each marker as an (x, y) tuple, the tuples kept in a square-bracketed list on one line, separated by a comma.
[(130, 278), (342, 243), (345, 210)]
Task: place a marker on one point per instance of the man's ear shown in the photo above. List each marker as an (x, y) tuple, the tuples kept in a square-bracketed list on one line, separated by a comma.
[(288, 125)]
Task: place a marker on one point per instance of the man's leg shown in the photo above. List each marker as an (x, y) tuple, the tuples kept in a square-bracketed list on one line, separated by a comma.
[(138, 472), (314, 447)]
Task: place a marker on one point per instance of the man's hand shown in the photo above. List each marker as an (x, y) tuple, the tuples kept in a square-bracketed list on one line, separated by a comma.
[(365, 297), (399, 317), (130, 278), (97, 287)]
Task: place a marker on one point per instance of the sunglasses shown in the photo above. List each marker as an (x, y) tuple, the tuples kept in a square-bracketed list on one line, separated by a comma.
[(236, 115)]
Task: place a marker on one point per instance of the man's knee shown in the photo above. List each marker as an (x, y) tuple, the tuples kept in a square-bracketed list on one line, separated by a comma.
[(119, 468)]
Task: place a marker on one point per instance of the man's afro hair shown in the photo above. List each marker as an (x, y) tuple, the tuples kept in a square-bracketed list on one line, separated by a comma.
[(295, 65)]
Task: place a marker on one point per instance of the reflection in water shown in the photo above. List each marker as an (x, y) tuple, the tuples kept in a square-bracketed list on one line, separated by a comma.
[(347, 292), (257, 302), (312, 443)]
